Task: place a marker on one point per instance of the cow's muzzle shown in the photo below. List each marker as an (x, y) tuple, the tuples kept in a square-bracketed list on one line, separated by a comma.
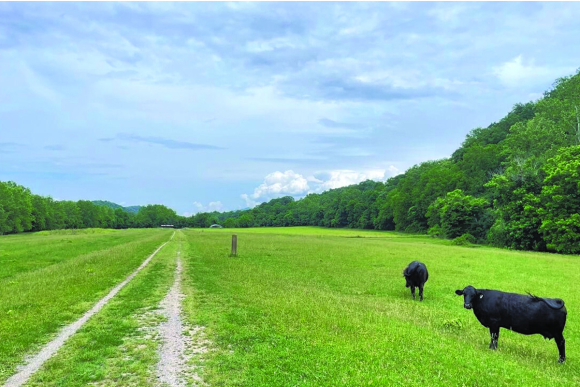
[(467, 306)]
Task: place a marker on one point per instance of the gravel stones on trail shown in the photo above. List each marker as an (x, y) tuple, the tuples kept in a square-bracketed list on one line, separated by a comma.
[(177, 346)]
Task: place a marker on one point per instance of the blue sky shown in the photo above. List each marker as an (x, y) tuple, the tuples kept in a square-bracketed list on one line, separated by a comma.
[(203, 106)]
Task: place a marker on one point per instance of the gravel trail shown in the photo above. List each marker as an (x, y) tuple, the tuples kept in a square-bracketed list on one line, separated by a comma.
[(36, 361), (173, 357)]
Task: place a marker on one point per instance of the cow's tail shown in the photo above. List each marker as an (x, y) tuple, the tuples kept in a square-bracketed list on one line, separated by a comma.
[(554, 303)]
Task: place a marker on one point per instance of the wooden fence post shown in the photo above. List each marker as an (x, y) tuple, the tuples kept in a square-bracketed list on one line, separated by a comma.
[(234, 246)]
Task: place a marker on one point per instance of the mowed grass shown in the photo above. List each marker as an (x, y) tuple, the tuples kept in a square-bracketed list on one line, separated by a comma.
[(35, 302), (24, 252), (312, 307), (116, 347)]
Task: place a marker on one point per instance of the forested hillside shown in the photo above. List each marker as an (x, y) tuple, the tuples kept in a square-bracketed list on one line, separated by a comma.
[(114, 206), (514, 183)]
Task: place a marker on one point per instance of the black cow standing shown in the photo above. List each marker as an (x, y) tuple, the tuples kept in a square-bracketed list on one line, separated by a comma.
[(525, 314), (416, 274)]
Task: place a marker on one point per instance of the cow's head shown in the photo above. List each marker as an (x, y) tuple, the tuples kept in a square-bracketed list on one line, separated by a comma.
[(407, 276), (470, 296)]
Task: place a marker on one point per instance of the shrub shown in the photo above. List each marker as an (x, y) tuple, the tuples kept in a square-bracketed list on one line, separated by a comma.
[(435, 232), (464, 240), (497, 235)]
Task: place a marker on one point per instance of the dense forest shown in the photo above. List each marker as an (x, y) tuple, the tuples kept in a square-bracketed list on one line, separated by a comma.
[(515, 184)]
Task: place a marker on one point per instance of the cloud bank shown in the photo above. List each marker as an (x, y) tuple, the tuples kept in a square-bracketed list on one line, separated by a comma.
[(290, 183)]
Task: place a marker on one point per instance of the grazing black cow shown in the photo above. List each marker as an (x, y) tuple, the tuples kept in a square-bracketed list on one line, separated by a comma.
[(416, 274), (525, 314)]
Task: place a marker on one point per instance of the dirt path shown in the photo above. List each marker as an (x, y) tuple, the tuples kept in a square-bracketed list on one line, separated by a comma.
[(173, 357), (36, 361)]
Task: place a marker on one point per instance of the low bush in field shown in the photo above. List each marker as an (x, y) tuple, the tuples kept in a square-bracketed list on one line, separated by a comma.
[(464, 240), (435, 232)]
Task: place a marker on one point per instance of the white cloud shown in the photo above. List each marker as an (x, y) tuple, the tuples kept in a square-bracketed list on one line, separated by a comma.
[(342, 178), (394, 171), (212, 206), (290, 183), (516, 72), (278, 184), (249, 201)]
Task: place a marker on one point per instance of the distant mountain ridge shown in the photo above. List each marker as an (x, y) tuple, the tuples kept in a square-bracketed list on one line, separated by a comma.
[(131, 209)]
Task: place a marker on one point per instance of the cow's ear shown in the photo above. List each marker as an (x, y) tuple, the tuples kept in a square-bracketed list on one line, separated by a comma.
[(459, 292), (480, 295)]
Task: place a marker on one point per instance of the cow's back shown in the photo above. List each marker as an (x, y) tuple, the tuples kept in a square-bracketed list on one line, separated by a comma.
[(520, 313), (417, 272)]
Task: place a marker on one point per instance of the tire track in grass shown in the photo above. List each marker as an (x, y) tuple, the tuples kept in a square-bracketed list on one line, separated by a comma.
[(177, 348), (173, 342), (36, 361), (172, 356)]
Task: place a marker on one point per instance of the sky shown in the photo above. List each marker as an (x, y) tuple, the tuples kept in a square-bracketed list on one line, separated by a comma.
[(221, 106)]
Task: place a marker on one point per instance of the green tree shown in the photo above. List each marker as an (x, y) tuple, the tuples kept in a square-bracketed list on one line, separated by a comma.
[(16, 203), (515, 202), (246, 220), (230, 223), (560, 201), (457, 214), (122, 218), (40, 213)]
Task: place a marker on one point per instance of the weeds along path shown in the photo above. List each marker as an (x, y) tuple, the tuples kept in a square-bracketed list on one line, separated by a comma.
[(172, 354), (36, 361)]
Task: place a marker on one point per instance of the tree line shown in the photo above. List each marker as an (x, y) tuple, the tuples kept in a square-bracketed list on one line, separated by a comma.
[(514, 183), (21, 210)]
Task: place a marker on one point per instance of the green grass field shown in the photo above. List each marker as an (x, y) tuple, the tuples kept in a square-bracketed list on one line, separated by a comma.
[(312, 307), (298, 307), (47, 281)]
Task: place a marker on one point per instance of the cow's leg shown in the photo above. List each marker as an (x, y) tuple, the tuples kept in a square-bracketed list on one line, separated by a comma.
[(421, 292), (413, 291), (561, 343), (494, 333)]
